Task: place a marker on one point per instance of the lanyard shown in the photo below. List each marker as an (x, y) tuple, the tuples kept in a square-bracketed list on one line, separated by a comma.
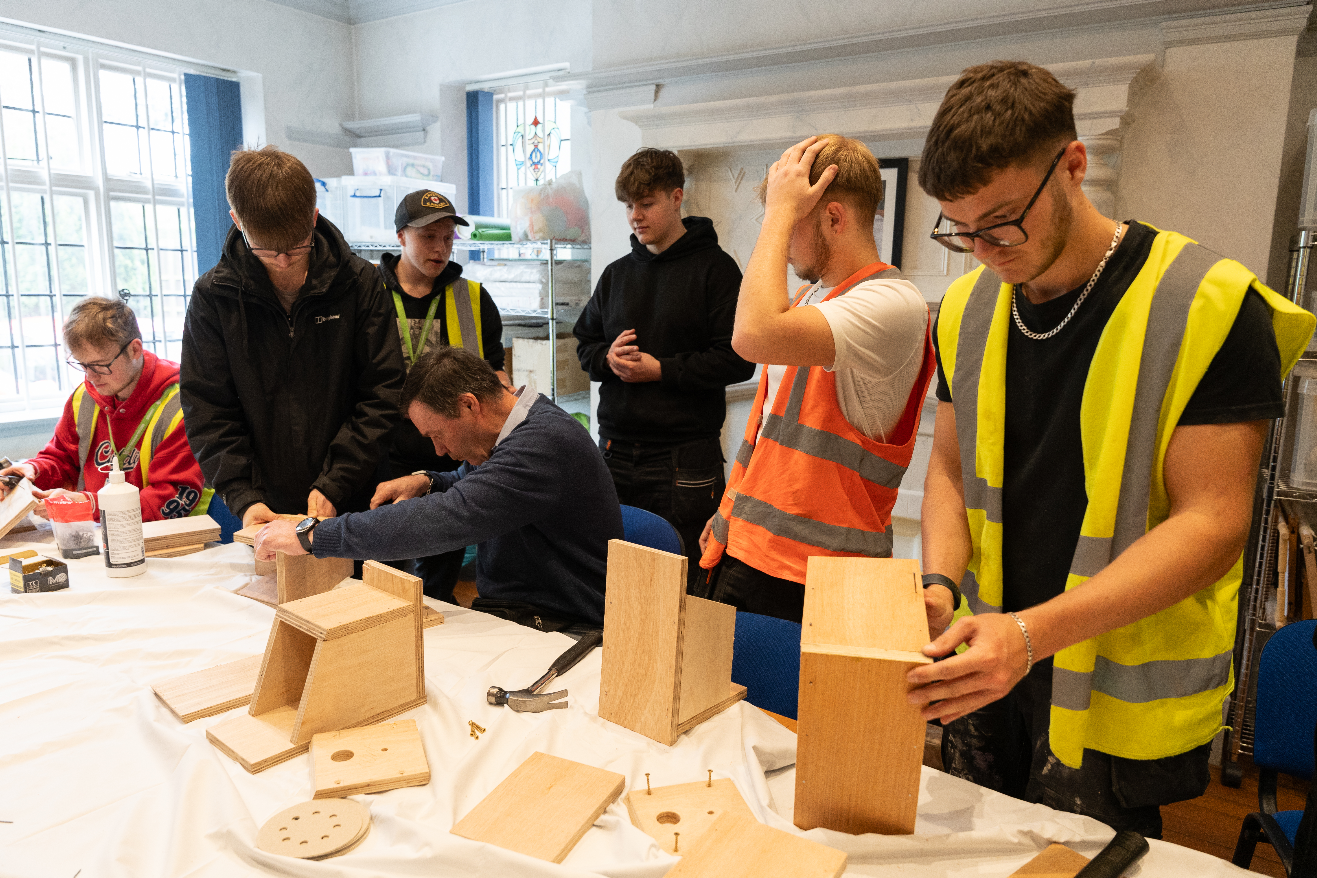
[(405, 327), (137, 435)]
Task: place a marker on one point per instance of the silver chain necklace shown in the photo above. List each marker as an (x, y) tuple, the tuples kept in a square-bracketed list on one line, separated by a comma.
[(1042, 336)]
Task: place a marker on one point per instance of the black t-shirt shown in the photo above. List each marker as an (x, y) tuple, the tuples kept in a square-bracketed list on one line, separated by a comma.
[(1044, 499)]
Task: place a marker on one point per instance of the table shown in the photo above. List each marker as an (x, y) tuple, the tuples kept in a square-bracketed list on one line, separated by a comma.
[(96, 775)]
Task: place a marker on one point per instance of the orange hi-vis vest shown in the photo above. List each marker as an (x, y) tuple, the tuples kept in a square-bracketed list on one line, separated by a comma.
[(812, 484)]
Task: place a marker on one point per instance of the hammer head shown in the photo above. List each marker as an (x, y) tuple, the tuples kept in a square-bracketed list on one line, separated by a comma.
[(525, 701)]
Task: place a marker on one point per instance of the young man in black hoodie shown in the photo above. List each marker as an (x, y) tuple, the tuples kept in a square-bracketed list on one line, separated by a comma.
[(435, 306), (291, 369), (658, 334)]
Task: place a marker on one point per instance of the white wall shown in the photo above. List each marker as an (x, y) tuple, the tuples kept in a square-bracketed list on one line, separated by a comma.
[(304, 62), (420, 63)]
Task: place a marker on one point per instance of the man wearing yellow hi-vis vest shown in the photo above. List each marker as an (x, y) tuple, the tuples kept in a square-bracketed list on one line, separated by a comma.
[(128, 407), (435, 306), (1104, 392)]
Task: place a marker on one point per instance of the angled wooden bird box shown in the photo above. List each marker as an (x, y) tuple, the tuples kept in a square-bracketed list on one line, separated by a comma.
[(345, 658), (861, 743), (667, 658)]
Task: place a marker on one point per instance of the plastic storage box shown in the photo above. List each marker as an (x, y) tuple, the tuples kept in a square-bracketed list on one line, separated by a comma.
[(524, 286), (369, 204), (329, 200), (381, 161)]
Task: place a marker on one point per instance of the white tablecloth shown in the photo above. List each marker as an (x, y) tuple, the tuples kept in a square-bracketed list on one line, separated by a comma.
[(97, 775)]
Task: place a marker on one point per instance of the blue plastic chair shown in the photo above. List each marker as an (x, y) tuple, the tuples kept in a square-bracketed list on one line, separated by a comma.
[(1282, 737), (644, 528), (228, 522), (766, 661)]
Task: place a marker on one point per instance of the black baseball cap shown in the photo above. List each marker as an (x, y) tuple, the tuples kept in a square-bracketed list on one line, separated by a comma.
[(422, 207)]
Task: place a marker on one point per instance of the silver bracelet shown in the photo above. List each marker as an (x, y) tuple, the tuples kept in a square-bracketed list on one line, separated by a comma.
[(1028, 643)]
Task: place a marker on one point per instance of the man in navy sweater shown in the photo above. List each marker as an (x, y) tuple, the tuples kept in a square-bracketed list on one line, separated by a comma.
[(533, 494)]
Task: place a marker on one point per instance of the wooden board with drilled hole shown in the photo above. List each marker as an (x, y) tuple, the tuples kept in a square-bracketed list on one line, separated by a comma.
[(1056, 861), (858, 758), (543, 808), (214, 690), (688, 808), (174, 533), (368, 760), (737, 846)]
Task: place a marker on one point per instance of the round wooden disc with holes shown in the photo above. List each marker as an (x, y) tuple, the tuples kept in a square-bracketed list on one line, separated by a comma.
[(315, 829)]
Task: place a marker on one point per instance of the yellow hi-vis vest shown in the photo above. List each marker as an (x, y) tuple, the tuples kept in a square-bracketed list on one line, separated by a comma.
[(164, 418), (461, 317), (1153, 688)]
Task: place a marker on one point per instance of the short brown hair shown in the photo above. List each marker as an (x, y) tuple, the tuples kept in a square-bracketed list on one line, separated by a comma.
[(649, 170), (273, 195), (97, 322), (859, 180), (996, 116), (439, 378)]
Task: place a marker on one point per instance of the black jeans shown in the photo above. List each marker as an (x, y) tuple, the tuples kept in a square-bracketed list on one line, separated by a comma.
[(682, 483), (753, 591), (1004, 747)]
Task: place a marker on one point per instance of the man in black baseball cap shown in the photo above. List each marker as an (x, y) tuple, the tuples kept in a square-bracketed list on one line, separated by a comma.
[(435, 306)]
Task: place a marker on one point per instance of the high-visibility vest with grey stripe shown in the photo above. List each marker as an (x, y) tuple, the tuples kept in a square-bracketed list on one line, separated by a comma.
[(789, 523), (1152, 688), (461, 318), (86, 412)]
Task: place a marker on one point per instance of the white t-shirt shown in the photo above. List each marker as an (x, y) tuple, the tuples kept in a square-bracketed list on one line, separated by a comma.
[(878, 331)]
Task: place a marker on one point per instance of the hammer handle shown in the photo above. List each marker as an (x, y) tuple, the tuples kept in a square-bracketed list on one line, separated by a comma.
[(1119, 854), (565, 662)]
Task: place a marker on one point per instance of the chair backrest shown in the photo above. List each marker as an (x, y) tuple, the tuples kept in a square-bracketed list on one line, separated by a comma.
[(1287, 701), (644, 528), (228, 522), (766, 661)]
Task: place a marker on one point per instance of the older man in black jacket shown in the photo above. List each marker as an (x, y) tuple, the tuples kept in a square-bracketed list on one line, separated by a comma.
[(291, 367)]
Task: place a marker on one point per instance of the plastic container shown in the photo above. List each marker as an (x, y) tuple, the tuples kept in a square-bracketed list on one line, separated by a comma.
[(381, 161), (329, 199), (71, 518), (369, 204), (121, 525), (1301, 425)]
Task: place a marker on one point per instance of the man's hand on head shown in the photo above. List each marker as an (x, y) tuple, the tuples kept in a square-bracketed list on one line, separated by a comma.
[(279, 535), (789, 194)]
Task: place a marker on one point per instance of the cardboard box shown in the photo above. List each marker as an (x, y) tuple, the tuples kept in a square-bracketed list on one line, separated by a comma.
[(28, 575)]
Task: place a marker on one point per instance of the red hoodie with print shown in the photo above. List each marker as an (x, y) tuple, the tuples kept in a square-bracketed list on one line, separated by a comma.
[(176, 479)]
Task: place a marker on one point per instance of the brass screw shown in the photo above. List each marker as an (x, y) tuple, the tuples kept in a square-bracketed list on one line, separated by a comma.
[(475, 729), (676, 840), (648, 791), (710, 783)]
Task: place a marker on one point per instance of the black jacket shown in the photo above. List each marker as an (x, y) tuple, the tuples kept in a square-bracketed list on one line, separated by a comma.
[(409, 451), (681, 303), (277, 403)]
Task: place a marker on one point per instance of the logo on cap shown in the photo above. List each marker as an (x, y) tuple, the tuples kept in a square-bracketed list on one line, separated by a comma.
[(435, 200)]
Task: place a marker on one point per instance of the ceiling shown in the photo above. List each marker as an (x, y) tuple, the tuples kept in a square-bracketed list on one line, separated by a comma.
[(361, 11)]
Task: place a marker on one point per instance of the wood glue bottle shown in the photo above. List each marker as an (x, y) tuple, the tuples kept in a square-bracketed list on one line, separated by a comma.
[(121, 524)]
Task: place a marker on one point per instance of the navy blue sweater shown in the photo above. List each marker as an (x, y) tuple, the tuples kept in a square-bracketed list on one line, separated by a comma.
[(541, 509)]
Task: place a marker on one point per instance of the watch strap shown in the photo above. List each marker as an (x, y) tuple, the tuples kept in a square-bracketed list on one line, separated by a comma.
[(303, 532), (429, 478), (948, 583)]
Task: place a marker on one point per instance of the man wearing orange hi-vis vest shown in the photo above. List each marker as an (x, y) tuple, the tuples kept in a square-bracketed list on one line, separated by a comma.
[(1104, 391), (847, 362)]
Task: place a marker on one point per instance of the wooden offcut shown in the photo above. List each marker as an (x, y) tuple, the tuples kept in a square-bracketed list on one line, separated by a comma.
[(737, 846), (248, 534), (340, 659), (860, 742), (667, 656), (543, 808), (369, 760), (1056, 861), (296, 577), (176, 552), (688, 808), (179, 533), (214, 690), (16, 505)]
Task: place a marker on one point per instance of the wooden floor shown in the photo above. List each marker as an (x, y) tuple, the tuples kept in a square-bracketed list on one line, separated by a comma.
[(1209, 823)]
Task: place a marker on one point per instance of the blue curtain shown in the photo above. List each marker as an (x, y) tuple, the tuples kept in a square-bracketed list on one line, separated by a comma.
[(214, 115), (480, 153)]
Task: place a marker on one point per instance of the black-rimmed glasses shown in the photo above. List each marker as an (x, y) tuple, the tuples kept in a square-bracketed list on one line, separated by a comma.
[(1008, 234), (261, 253), (98, 368)]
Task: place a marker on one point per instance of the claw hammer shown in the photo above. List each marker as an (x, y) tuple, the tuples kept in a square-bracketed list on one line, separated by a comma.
[(532, 699)]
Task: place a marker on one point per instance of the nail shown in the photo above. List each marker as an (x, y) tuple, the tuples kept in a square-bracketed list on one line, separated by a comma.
[(710, 783), (676, 838), (648, 791)]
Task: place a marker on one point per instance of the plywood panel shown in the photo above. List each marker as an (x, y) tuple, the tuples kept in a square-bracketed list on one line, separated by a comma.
[(706, 656), (264, 589), (368, 760), (174, 533), (254, 742), (543, 808), (1056, 861), (16, 505), (688, 808), (357, 680), (860, 745), (288, 655), (301, 576), (342, 611), (404, 587), (866, 602), (736, 846), (214, 690), (643, 618)]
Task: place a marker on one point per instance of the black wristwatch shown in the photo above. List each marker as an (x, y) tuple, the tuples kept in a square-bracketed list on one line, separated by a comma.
[(948, 582), (303, 531)]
